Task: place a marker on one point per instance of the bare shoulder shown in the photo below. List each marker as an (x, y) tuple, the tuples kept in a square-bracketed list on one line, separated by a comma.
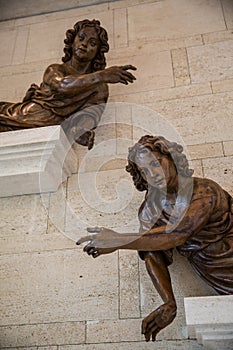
[(54, 68), (52, 72)]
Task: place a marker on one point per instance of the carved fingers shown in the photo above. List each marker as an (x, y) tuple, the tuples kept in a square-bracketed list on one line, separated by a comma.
[(101, 242), (157, 320), (119, 74), (86, 139)]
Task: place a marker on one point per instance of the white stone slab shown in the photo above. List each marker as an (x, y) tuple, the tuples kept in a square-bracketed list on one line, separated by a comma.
[(210, 320), (34, 161)]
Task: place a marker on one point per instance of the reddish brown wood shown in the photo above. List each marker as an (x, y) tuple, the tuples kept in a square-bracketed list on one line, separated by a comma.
[(193, 215), (77, 88)]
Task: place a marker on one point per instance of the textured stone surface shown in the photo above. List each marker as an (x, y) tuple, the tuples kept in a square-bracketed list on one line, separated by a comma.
[(43, 334), (129, 284), (207, 118), (160, 345), (53, 296), (60, 287), (180, 67), (207, 62), (210, 320), (166, 19), (220, 170)]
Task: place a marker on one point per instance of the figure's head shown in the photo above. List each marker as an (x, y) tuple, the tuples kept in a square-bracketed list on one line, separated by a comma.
[(157, 162), (98, 42)]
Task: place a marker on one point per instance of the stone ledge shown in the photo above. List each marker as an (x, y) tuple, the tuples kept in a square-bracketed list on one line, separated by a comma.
[(34, 160), (210, 321)]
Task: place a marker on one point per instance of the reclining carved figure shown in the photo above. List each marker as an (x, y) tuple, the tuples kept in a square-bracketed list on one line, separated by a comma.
[(77, 87), (193, 215)]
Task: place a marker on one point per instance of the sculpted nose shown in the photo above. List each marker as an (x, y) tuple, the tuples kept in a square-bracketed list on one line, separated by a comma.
[(84, 43), (154, 172)]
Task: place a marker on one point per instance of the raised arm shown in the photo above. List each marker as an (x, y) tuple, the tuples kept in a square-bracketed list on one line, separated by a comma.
[(66, 84)]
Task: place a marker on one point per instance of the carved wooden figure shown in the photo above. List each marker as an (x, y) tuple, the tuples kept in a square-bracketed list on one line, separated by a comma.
[(193, 215), (76, 88)]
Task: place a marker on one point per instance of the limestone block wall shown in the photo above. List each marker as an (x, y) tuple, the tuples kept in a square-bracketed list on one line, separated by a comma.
[(53, 296)]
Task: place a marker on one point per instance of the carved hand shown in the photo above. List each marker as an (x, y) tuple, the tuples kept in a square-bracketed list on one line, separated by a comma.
[(104, 241), (118, 74), (157, 320)]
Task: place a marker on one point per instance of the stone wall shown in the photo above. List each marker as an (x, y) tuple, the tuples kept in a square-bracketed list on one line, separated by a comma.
[(53, 296)]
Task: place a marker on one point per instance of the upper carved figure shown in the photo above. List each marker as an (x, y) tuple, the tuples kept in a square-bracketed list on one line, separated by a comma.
[(193, 215), (78, 84)]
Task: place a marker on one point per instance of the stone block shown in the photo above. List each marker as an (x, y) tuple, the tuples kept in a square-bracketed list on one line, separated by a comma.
[(121, 27), (210, 320), (206, 150), (35, 160), (107, 331), (222, 85), (160, 345), (217, 36), (14, 86), (20, 45), (196, 165), (78, 13), (180, 67), (51, 39), (220, 170), (129, 285), (43, 334), (164, 94), (228, 148), (7, 37), (23, 216), (166, 19), (57, 286), (198, 118), (228, 13), (206, 64)]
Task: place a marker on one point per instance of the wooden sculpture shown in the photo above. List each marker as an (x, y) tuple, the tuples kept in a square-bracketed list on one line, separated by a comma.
[(77, 87), (193, 215)]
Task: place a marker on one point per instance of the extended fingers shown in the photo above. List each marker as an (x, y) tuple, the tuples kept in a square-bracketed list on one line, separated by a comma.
[(84, 239), (129, 76), (95, 229), (128, 66)]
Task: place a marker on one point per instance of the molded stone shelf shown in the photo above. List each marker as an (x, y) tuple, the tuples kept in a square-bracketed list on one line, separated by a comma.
[(34, 160), (210, 321)]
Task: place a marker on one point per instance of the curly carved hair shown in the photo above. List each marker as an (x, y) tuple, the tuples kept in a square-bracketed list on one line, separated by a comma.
[(99, 61), (157, 143)]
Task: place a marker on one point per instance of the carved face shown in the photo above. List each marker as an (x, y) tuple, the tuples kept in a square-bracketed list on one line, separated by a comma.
[(86, 44), (157, 169)]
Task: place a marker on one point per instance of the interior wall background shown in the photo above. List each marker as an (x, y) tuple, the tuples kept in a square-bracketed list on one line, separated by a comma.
[(53, 296), (11, 9)]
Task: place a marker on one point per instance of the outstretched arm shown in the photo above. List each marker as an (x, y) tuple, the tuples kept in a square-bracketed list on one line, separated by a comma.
[(75, 83), (156, 239)]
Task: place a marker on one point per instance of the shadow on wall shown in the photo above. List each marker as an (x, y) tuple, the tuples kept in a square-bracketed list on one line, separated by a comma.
[(13, 9)]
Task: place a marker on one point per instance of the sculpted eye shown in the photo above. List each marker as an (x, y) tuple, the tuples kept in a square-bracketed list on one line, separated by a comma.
[(155, 163), (144, 150), (81, 36), (93, 43)]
